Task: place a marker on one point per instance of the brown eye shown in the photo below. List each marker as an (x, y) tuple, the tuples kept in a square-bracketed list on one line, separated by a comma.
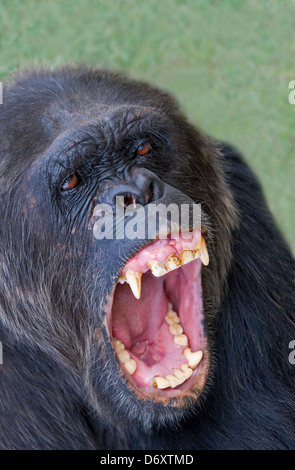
[(143, 149), (70, 182)]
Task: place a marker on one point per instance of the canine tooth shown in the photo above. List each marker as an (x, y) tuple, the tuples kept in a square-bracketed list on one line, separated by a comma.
[(172, 317), (181, 340), (193, 358), (156, 268), (130, 366), (124, 356), (172, 380), (160, 382), (186, 256), (175, 329), (118, 345), (172, 262), (203, 252), (186, 370), (134, 280)]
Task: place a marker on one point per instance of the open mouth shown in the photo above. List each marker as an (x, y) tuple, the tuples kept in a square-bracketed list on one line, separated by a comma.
[(155, 318)]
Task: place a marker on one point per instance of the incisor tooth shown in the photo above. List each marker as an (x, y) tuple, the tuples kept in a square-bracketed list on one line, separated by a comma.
[(178, 373), (181, 380), (181, 340), (193, 358), (203, 252), (172, 262), (122, 279), (130, 366), (160, 382), (134, 280), (172, 380), (172, 317), (186, 256), (156, 268), (175, 329), (124, 356)]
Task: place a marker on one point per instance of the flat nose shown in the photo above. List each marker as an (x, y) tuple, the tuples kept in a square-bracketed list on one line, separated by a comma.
[(145, 187)]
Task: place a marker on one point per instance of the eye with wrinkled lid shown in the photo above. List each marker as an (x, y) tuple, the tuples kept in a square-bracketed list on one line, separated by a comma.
[(143, 149), (70, 182)]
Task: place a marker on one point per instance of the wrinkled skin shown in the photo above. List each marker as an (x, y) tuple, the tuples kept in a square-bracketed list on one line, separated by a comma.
[(61, 385)]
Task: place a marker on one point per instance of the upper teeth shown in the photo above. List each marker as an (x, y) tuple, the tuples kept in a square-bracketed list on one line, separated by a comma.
[(156, 268), (133, 278), (172, 262), (203, 252)]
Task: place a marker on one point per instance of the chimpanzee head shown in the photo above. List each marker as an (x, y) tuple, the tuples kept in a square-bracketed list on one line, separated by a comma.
[(134, 316)]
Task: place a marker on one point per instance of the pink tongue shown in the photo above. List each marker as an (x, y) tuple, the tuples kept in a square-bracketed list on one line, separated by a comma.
[(137, 321)]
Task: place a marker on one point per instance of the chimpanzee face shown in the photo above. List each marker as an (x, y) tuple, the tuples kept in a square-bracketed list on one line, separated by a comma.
[(134, 315)]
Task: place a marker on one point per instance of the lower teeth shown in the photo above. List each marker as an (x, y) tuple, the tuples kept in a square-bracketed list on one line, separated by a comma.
[(180, 339)]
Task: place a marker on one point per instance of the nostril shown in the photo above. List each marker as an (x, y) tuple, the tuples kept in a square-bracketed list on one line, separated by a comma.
[(130, 200), (151, 187), (144, 188)]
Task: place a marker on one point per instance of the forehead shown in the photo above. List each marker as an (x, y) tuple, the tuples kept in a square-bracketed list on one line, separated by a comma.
[(40, 105), (106, 96)]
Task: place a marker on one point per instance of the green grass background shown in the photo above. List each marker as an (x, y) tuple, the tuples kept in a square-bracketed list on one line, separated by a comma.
[(229, 63)]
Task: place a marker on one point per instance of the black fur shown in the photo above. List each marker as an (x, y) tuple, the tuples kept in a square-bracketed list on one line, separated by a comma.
[(60, 386)]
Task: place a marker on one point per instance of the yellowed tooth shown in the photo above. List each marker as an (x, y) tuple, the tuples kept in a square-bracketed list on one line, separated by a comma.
[(134, 280), (122, 279), (172, 317), (178, 373), (172, 380), (175, 329), (180, 381), (186, 370), (130, 365), (196, 254), (203, 252), (160, 382), (124, 356), (193, 358), (118, 345), (172, 262), (186, 256), (180, 340), (156, 268)]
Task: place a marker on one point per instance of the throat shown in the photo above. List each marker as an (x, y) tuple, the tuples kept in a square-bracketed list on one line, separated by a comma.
[(137, 321)]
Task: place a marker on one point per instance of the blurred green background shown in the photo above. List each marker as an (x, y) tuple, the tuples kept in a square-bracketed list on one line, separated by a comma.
[(229, 63)]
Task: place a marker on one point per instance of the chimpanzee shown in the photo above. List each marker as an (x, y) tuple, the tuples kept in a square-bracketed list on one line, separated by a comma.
[(161, 341)]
